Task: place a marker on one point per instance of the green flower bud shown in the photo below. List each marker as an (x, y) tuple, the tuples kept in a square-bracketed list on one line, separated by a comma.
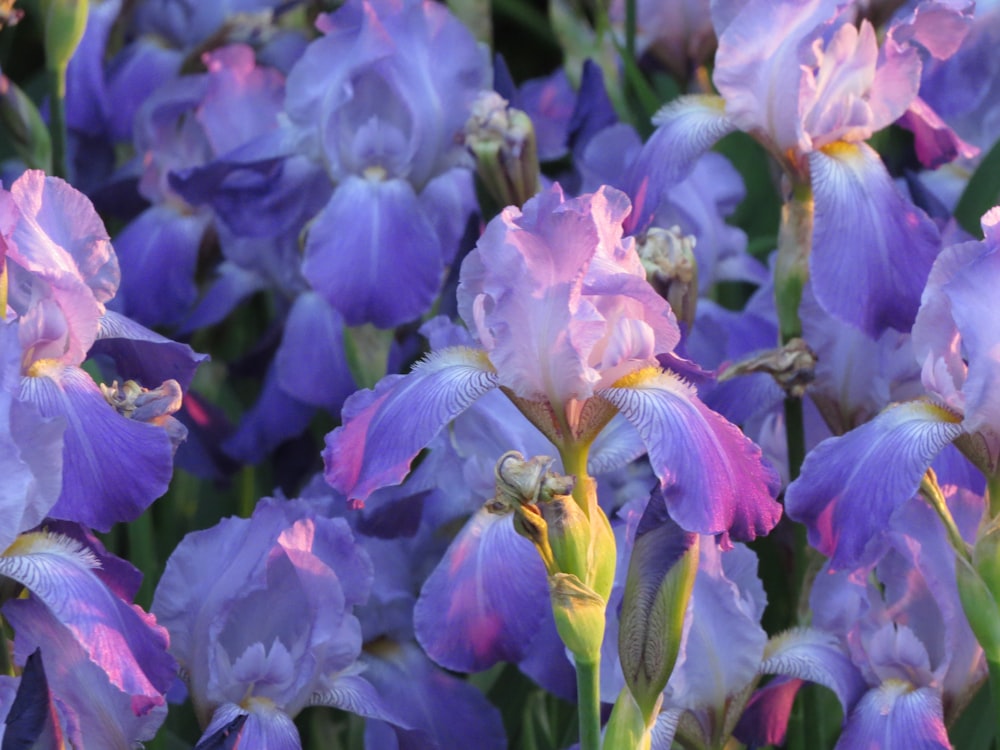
[(672, 269), (503, 141), (65, 21), (986, 557), (627, 726), (569, 535), (980, 607), (579, 615), (24, 128), (660, 579)]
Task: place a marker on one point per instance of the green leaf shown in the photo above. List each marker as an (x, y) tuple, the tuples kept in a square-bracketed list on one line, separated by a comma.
[(981, 193)]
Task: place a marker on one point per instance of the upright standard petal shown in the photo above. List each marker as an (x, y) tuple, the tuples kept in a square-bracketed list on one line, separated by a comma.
[(850, 485), (714, 478), (957, 333), (384, 429), (61, 233), (869, 243)]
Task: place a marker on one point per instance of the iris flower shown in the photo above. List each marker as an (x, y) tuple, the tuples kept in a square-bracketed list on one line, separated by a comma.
[(568, 329)]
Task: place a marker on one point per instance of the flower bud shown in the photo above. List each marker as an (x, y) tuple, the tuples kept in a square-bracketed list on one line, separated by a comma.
[(65, 22), (660, 579), (672, 269), (569, 535), (24, 127), (579, 615), (980, 608), (503, 141), (627, 726)]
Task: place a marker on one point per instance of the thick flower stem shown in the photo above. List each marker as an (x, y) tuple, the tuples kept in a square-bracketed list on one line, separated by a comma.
[(994, 669), (6, 666), (993, 494), (588, 693), (57, 121)]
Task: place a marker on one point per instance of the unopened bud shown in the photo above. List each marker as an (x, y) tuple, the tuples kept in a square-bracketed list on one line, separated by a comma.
[(980, 607), (672, 269), (579, 615), (65, 22), (660, 580), (503, 141), (569, 535), (24, 127)]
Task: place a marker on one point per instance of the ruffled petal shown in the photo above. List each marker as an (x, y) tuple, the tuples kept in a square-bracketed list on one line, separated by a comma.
[(485, 599), (936, 143), (113, 467), (374, 254), (384, 429), (715, 480), (89, 706), (61, 233), (127, 644), (850, 485), (869, 243)]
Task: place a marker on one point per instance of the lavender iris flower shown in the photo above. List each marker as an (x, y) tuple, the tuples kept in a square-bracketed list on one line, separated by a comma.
[(569, 329), (845, 495), (812, 87), (225, 598), (106, 664), (118, 441), (913, 660), (379, 101)]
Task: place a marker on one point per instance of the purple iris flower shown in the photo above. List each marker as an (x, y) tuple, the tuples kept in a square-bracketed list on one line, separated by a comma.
[(189, 122), (914, 657), (118, 441), (965, 91), (850, 485), (569, 329), (378, 101), (812, 87), (226, 597), (106, 664)]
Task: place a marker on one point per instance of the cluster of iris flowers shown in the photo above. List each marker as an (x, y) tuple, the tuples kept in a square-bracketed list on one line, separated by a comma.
[(371, 377)]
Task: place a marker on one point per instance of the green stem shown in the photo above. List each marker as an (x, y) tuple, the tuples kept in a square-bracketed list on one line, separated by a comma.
[(588, 693), (993, 494), (795, 435), (994, 668), (248, 491), (6, 667), (57, 121), (574, 461), (930, 489), (142, 553)]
